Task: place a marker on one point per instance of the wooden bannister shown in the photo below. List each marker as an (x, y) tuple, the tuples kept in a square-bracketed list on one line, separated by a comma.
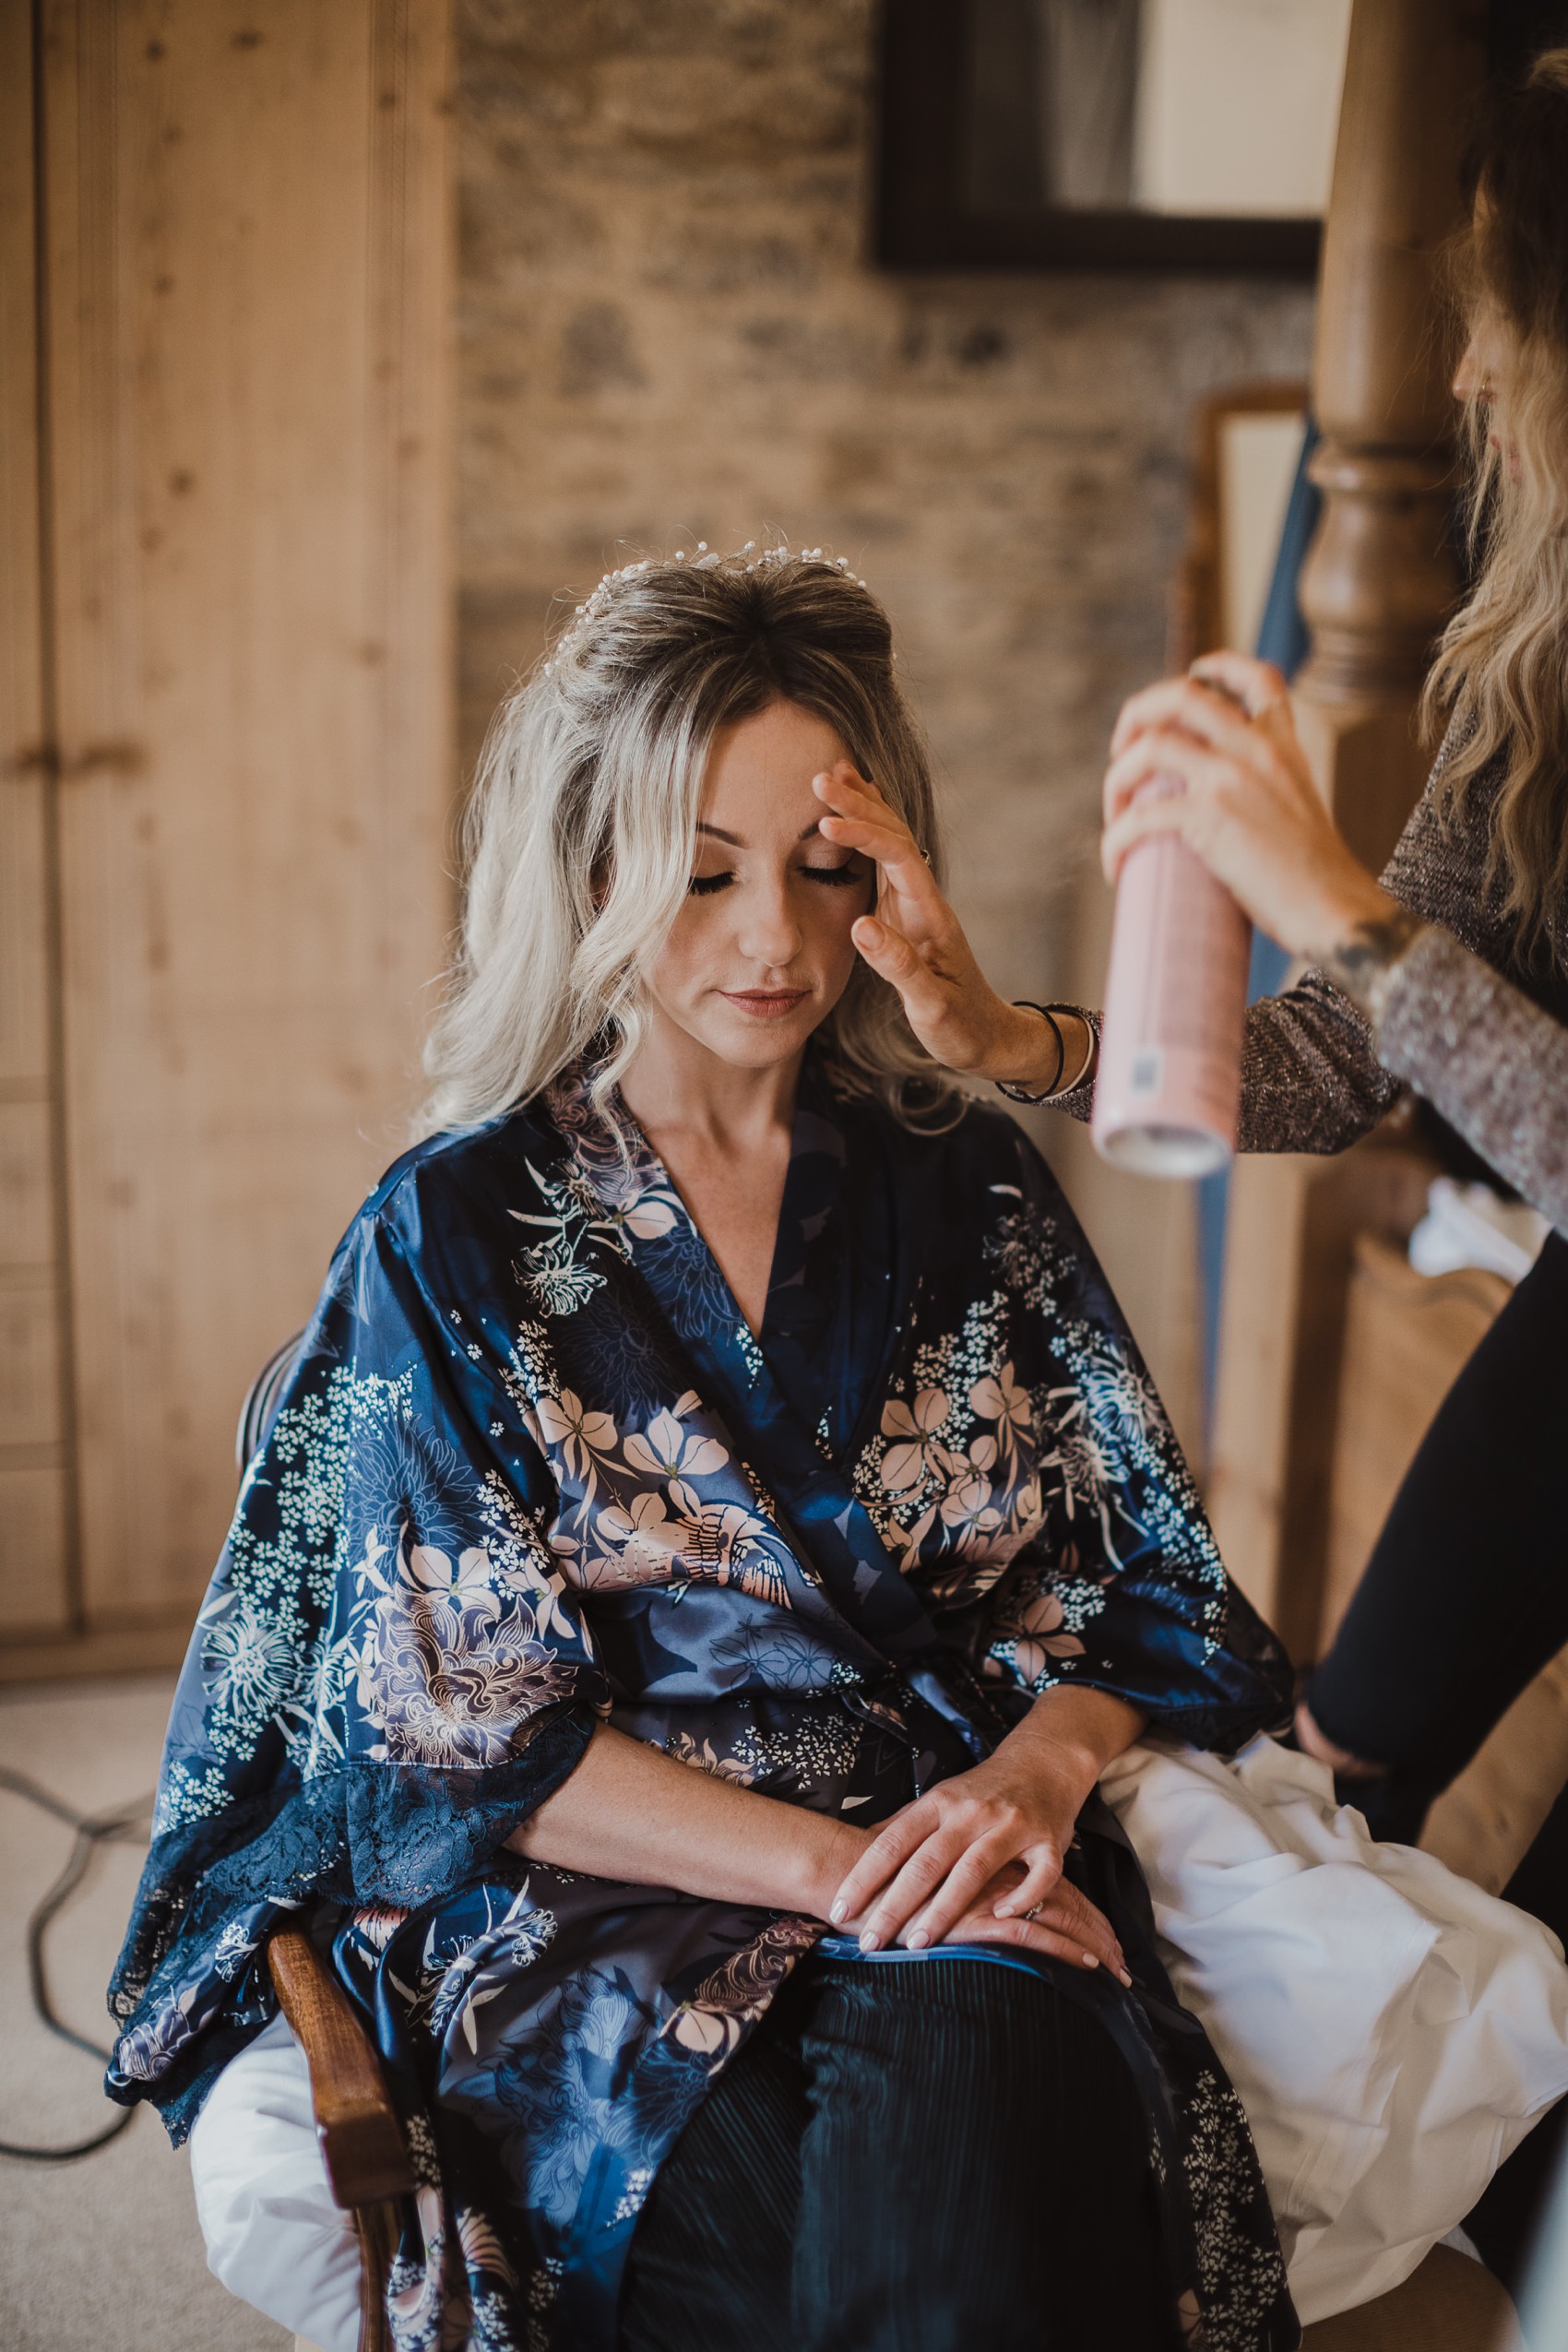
[(1379, 580), (1378, 583)]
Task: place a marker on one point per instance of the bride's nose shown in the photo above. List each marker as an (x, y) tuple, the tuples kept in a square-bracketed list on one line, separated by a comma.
[(768, 933)]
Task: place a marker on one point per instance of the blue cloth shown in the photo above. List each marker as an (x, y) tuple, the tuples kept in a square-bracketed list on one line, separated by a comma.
[(532, 1472), (1282, 639)]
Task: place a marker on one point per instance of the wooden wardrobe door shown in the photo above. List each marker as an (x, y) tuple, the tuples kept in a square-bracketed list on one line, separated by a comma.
[(36, 1552), (246, 302)]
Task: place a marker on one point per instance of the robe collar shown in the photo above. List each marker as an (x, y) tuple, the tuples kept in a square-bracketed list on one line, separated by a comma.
[(837, 1318)]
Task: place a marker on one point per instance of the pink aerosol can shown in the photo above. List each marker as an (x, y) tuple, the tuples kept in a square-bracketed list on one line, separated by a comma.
[(1169, 1079)]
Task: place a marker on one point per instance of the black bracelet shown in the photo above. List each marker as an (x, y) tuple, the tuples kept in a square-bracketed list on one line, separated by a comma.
[(1022, 1094)]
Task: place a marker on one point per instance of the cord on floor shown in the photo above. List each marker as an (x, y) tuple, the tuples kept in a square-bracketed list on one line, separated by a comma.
[(127, 1825)]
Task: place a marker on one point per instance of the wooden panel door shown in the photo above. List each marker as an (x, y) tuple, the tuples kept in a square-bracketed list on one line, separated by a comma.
[(36, 1489), (245, 288)]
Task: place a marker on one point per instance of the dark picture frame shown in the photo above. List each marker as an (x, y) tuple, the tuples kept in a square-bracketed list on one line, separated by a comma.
[(924, 221)]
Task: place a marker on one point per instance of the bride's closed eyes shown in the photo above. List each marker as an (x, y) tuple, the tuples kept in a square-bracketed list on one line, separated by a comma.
[(706, 885)]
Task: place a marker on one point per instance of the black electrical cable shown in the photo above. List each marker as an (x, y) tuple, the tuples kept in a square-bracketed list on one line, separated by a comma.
[(122, 1827)]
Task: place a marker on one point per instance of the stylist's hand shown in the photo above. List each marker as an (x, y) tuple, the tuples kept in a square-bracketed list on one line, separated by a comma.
[(916, 943), (1244, 800)]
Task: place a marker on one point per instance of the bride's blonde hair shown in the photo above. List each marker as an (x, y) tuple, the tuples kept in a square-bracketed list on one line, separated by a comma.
[(580, 834), (1501, 671)]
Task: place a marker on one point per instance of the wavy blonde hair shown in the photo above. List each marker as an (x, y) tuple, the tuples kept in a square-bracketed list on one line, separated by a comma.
[(1502, 673), (580, 835)]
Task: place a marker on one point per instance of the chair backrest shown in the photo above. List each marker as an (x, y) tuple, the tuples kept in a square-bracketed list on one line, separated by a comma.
[(260, 1408)]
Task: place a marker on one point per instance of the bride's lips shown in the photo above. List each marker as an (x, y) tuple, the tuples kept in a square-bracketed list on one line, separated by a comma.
[(765, 1003)]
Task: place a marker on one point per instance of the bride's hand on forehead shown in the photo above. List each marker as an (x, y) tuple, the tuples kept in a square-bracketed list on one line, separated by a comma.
[(916, 943)]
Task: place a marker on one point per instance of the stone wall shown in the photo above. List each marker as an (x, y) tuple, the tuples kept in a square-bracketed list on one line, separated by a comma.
[(669, 330)]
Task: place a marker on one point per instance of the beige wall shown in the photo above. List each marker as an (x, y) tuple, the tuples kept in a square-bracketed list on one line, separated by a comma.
[(667, 330)]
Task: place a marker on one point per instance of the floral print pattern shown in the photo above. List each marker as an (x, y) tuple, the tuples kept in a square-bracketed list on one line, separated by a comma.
[(532, 1472)]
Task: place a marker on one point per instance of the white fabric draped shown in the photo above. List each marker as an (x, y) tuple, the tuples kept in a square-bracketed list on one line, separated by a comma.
[(1392, 2031)]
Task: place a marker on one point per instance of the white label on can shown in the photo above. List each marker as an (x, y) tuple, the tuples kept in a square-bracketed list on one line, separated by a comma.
[(1147, 1070)]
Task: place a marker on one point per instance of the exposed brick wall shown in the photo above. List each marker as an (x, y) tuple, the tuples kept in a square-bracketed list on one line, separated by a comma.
[(669, 330)]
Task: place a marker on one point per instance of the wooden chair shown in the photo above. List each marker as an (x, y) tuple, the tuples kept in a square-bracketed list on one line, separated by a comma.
[(361, 2142)]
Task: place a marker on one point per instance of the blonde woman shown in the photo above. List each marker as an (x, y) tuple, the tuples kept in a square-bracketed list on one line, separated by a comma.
[(717, 1533)]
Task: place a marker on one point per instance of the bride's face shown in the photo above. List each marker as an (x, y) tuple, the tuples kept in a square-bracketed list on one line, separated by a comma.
[(761, 953)]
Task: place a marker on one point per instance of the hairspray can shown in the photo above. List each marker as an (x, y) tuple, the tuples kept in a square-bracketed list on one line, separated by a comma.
[(1169, 1079)]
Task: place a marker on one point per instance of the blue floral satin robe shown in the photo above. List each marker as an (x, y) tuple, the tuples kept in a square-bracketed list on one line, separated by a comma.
[(532, 1472)]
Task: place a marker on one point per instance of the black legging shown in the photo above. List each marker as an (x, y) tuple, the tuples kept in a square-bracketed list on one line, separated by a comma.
[(925, 2159), (1465, 1599), (1466, 1594)]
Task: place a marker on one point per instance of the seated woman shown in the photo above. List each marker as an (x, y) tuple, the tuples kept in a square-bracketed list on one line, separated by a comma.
[(717, 1534)]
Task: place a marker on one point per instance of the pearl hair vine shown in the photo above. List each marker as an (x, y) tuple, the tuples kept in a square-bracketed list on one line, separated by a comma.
[(749, 558)]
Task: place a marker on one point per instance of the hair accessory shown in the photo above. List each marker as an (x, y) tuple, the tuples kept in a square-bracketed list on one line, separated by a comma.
[(1022, 1094), (747, 558)]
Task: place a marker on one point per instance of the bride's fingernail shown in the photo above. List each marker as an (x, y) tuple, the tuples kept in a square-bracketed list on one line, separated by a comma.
[(917, 1939), (1089, 1960), (838, 1910), (1126, 1979), (869, 1940)]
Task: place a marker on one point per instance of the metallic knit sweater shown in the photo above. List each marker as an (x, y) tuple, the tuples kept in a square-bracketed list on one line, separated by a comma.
[(1482, 1038)]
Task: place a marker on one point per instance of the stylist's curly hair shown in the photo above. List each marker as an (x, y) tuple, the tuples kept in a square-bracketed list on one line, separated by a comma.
[(1502, 673)]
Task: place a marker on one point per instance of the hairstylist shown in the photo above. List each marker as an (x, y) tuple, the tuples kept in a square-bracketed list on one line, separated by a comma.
[(1450, 977)]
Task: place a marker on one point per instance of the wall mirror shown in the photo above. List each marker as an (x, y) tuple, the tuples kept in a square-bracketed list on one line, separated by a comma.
[(1096, 134)]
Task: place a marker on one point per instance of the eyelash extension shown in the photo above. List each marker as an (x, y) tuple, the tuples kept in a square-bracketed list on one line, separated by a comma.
[(702, 886)]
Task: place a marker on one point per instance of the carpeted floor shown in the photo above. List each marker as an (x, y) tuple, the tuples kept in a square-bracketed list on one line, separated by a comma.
[(102, 2255)]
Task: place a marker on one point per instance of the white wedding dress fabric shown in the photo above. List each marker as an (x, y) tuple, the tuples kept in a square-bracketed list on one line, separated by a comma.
[(1393, 2033)]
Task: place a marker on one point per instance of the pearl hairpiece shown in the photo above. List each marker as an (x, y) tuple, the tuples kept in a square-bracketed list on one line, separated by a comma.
[(593, 608)]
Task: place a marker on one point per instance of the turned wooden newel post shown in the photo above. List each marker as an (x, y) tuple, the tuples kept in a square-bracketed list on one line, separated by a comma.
[(1380, 579), (1377, 587)]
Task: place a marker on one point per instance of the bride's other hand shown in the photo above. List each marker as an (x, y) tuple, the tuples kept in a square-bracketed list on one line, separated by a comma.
[(936, 1862), (1066, 1926), (1246, 803), (916, 943)]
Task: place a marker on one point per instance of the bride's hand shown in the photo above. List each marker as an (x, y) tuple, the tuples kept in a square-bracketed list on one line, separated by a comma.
[(936, 1863), (916, 943), (1065, 1926)]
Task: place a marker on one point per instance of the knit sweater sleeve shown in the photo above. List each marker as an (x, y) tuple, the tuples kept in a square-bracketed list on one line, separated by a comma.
[(1494, 1065)]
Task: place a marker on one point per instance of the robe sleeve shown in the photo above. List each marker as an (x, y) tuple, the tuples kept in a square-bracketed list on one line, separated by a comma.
[(1122, 1587), (387, 1673)]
